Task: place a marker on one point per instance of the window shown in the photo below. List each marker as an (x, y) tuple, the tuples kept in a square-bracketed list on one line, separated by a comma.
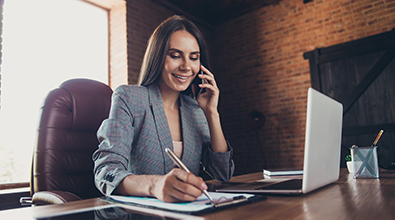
[(45, 42)]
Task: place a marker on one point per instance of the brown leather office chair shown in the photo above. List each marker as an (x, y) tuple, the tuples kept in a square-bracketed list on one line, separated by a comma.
[(62, 167)]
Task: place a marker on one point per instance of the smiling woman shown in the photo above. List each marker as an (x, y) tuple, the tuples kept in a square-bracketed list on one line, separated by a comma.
[(146, 119), (45, 42)]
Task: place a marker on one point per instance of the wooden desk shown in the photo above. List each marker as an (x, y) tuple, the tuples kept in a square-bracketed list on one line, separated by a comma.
[(347, 198)]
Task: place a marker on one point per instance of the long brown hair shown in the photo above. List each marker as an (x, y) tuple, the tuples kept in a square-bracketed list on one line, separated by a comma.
[(158, 45)]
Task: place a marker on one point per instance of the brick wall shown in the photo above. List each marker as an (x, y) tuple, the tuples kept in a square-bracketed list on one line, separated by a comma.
[(142, 19), (260, 66)]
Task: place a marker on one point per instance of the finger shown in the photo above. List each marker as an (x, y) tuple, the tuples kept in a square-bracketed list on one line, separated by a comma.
[(205, 70), (196, 181), (209, 81), (208, 76), (209, 87), (174, 195), (176, 190), (185, 186), (185, 191), (190, 178), (179, 196)]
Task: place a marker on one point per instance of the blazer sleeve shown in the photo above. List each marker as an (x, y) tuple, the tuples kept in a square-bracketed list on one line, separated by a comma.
[(219, 165), (115, 142)]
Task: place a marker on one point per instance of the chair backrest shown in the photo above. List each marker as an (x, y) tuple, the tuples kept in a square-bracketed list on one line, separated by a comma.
[(70, 118)]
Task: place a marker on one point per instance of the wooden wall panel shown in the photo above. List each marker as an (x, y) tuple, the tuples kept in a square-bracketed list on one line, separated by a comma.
[(360, 74)]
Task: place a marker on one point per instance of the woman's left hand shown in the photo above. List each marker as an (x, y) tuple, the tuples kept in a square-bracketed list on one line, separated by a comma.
[(208, 100)]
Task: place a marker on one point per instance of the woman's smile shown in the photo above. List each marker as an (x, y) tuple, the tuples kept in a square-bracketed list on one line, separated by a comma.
[(180, 78)]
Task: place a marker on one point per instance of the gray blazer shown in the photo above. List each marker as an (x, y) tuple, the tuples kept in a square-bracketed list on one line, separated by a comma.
[(133, 139)]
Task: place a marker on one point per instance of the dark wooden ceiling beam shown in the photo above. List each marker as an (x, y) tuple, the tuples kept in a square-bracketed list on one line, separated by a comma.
[(180, 11), (219, 11)]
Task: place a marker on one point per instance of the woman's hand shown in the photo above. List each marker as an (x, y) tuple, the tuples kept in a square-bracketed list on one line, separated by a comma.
[(208, 100), (178, 186)]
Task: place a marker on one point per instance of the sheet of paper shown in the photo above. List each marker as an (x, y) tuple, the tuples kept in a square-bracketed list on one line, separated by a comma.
[(199, 204)]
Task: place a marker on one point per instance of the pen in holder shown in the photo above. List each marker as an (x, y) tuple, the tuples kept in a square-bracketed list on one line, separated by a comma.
[(364, 160), (365, 163)]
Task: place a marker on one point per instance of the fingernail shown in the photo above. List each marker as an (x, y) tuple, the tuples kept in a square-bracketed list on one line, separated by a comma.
[(204, 186)]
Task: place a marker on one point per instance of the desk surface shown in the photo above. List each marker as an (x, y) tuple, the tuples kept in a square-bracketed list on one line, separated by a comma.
[(347, 198)]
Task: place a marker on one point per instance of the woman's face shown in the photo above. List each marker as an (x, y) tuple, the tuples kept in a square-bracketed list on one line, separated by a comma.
[(182, 62)]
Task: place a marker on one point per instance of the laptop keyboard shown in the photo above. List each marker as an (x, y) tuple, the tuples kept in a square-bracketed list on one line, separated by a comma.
[(288, 184)]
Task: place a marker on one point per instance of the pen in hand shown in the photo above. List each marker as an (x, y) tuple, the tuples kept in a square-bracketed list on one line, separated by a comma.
[(180, 164)]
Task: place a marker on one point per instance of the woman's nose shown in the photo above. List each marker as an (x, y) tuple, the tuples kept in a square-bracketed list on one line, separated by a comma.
[(185, 65)]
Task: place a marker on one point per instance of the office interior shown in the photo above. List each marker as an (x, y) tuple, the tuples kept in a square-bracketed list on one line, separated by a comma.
[(265, 55)]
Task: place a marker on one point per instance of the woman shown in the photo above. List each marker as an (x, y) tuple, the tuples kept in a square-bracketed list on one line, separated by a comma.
[(159, 114)]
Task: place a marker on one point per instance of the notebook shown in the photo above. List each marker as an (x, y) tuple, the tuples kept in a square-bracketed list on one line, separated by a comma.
[(321, 153), (282, 172)]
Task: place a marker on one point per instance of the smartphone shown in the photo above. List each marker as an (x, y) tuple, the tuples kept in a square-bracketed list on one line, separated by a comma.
[(197, 90)]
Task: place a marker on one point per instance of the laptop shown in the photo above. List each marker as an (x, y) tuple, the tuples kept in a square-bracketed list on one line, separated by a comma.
[(321, 154)]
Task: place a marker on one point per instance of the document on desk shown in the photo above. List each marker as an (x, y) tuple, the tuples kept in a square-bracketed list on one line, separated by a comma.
[(201, 204)]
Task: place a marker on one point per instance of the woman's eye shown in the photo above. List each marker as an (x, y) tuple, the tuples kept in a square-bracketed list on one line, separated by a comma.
[(194, 57), (174, 56)]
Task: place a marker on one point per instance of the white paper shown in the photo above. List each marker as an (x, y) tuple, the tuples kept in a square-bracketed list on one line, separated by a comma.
[(199, 204)]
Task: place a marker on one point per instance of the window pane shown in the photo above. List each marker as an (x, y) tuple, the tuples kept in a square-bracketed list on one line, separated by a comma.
[(45, 42)]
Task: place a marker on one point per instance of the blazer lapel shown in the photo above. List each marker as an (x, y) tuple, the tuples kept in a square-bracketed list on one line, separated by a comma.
[(162, 127)]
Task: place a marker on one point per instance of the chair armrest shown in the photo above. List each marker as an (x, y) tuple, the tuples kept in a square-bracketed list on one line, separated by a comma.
[(53, 197)]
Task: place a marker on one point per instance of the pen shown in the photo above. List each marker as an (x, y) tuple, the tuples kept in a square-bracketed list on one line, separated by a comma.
[(377, 138), (180, 164)]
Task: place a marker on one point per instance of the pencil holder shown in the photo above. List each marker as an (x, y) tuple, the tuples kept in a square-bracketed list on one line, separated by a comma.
[(365, 163)]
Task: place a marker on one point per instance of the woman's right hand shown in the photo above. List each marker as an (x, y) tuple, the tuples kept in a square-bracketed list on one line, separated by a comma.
[(178, 186)]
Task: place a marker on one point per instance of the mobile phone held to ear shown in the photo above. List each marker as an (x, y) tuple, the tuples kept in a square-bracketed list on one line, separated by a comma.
[(197, 91)]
